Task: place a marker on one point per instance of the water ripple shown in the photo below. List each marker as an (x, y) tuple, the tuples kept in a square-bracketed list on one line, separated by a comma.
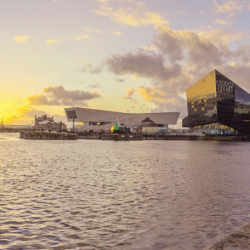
[(120, 195)]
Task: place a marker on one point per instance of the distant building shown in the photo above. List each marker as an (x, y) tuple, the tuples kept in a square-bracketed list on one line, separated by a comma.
[(149, 127), (216, 105), (42, 119), (47, 123), (2, 126)]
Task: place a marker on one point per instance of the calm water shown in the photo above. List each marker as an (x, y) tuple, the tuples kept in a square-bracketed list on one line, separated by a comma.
[(91, 194)]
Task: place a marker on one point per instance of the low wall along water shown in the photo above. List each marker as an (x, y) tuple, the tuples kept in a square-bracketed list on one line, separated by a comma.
[(41, 135)]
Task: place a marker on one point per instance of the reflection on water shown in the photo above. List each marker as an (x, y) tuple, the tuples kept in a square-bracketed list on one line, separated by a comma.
[(91, 194)]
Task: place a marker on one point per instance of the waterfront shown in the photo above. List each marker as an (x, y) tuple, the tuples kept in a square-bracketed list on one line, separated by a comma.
[(93, 194)]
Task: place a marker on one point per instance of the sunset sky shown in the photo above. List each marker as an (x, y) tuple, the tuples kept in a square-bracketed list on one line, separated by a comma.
[(116, 54)]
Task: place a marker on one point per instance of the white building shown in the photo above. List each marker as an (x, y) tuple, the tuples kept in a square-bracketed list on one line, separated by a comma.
[(97, 120)]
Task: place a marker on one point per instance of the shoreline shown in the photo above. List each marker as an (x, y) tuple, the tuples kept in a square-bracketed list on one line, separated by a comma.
[(238, 239)]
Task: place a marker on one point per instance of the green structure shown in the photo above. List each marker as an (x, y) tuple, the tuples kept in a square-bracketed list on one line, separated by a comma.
[(116, 128)]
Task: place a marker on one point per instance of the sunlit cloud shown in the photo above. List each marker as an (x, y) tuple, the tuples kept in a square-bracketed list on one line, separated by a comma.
[(81, 37), (138, 16), (130, 91), (20, 39), (91, 30), (51, 41), (229, 6), (118, 33), (223, 22)]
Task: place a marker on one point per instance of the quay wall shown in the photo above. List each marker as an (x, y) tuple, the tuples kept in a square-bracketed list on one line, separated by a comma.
[(120, 137), (198, 137), (41, 135), (183, 137), (238, 239), (96, 136)]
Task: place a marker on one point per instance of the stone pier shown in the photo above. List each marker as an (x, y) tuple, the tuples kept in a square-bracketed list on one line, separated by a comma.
[(41, 135)]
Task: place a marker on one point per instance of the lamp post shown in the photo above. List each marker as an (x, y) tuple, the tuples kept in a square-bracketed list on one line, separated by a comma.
[(73, 123)]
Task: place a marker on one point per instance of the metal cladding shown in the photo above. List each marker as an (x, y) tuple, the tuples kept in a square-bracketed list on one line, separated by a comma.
[(217, 99), (105, 119)]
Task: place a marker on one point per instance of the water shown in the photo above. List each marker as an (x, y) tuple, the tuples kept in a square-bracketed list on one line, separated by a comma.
[(91, 194)]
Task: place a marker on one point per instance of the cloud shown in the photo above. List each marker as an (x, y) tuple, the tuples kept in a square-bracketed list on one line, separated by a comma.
[(20, 39), (130, 98), (138, 16), (94, 86), (91, 30), (96, 70), (231, 6), (77, 38), (200, 51), (223, 22), (119, 80), (142, 64), (57, 95), (40, 100), (51, 41), (130, 91), (88, 65), (164, 101), (31, 112), (118, 33), (222, 36)]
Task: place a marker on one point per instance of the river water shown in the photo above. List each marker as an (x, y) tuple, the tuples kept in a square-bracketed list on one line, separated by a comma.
[(92, 194)]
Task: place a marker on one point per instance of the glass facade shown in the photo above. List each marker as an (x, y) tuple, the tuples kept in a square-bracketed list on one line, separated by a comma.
[(202, 102), (215, 99), (215, 128)]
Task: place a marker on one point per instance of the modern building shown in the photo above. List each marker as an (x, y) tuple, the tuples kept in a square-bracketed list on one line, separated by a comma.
[(217, 105), (97, 120)]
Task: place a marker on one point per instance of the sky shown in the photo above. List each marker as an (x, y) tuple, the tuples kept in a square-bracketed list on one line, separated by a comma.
[(119, 55)]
